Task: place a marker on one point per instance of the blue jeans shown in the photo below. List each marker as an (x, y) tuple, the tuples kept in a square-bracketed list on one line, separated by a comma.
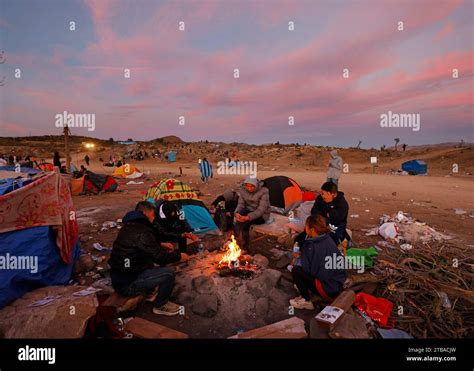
[(147, 281)]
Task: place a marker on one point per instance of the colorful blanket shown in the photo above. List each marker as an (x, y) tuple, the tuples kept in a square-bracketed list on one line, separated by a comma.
[(46, 201)]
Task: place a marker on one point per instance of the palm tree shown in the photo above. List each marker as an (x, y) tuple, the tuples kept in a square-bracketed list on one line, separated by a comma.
[(397, 140)]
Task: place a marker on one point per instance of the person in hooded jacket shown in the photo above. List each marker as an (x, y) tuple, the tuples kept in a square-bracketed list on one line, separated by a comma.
[(318, 272), (253, 207), (171, 225), (334, 167), (224, 218), (135, 252), (332, 205)]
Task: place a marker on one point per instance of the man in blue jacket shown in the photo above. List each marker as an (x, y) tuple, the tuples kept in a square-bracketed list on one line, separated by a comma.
[(319, 272)]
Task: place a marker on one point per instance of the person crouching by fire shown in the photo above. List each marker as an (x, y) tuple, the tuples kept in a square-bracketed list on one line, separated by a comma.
[(134, 253), (318, 272), (253, 208)]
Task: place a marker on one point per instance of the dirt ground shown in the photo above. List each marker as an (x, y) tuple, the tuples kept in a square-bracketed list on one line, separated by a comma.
[(431, 199)]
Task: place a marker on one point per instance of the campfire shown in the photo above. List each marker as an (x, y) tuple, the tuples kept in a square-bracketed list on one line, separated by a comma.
[(233, 262)]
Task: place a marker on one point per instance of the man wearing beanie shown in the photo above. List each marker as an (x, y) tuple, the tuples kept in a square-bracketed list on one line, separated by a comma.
[(253, 207)]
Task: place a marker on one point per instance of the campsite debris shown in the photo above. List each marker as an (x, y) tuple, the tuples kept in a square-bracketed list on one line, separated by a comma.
[(378, 309), (460, 211), (388, 230), (46, 300), (355, 216), (88, 291), (134, 182), (331, 314), (406, 247), (444, 300), (84, 263), (100, 248), (356, 199), (291, 328)]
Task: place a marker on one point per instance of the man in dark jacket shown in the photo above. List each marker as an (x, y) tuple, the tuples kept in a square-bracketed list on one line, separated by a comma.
[(171, 225), (319, 272), (134, 253), (333, 206), (225, 218)]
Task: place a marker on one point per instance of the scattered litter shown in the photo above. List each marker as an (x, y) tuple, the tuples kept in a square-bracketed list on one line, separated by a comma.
[(101, 248), (356, 199), (460, 211), (134, 182), (386, 244), (86, 292), (401, 218), (388, 230), (46, 300), (109, 225), (367, 211), (355, 216), (471, 214), (406, 247), (446, 303)]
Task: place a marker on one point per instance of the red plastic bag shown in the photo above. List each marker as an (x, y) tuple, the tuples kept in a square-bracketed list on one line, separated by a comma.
[(378, 309)]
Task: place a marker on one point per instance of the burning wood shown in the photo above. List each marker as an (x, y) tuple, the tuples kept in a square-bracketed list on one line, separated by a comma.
[(233, 262)]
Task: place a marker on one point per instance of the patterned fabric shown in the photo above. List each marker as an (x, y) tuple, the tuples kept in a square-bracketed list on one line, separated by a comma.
[(45, 202), (205, 168), (171, 190)]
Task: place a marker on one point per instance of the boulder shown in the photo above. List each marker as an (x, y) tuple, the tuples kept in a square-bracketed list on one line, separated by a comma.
[(84, 263), (261, 307), (260, 260), (205, 305), (64, 318), (203, 284), (262, 285)]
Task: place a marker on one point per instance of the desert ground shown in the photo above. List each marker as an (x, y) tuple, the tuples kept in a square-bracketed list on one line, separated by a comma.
[(371, 193)]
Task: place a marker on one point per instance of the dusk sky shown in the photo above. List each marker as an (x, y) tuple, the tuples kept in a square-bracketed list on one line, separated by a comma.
[(283, 73)]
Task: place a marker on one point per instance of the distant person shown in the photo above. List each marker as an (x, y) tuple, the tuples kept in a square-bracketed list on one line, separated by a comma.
[(404, 147), (206, 170), (332, 205), (57, 160), (314, 275), (134, 253), (87, 159), (224, 218), (253, 207), (335, 167), (171, 225), (11, 160)]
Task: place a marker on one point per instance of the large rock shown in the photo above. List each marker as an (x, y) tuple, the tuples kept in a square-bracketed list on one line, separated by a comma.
[(261, 307), (203, 284), (262, 285), (261, 260), (64, 318), (83, 264), (205, 305)]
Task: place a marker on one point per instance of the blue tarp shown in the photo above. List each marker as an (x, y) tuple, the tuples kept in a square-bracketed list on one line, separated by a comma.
[(415, 167), (28, 170), (199, 218), (34, 242)]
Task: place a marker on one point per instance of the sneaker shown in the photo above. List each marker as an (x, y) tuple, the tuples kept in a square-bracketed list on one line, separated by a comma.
[(169, 309), (295, 300), (302, 304)]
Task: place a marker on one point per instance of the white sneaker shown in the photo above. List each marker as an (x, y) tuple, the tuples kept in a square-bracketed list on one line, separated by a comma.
[(295, 300), (302, 304), (169, 309)]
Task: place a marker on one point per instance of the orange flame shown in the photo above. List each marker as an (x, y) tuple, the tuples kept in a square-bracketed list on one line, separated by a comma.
[(232, 254)]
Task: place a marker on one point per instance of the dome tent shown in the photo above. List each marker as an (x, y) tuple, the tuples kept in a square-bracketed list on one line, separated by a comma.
[(285, 193), (195, 212)]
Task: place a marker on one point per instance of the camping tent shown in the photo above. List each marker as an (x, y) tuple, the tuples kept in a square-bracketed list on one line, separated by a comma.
[(415, 167), (172, 156), (93, 183), (38, 240), (127, 171), (45, 166), (187, 200), (285, 193)]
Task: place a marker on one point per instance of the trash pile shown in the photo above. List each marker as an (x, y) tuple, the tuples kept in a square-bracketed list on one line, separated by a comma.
[(404, 230), (430, 282)]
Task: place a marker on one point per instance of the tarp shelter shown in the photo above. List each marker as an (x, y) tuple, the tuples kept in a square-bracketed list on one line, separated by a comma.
[(93, 183), (127, 171), (415, 167), (195, 212), (38, 239), (45, 166), (285, 193), (172, 156)]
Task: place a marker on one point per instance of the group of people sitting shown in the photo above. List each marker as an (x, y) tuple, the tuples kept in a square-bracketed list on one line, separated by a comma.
[(155, 235)]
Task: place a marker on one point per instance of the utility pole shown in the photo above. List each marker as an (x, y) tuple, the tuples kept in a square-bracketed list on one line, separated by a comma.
[(66, 149)]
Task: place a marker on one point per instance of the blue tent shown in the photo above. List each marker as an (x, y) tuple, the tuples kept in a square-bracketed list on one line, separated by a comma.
[(37, 243), (415, 167), (172, 156), (199, 218), (23, 169)]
